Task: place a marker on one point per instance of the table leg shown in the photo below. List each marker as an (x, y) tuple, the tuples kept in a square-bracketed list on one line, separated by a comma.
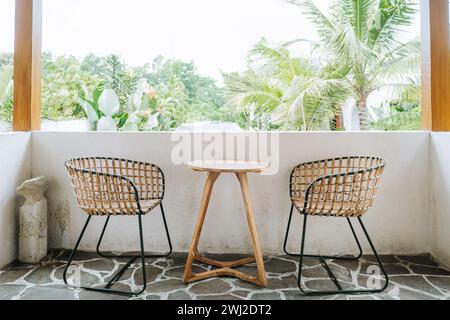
[(193, 251), (243, 179)]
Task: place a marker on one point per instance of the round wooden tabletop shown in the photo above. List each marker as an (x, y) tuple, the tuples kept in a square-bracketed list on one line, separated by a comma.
[(228, 166)]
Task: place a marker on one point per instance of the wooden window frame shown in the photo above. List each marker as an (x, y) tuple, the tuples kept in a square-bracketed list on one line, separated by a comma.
[(435, 65), (27, 65)]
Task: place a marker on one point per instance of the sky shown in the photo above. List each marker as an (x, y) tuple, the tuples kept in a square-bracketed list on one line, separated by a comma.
[(215, 34)]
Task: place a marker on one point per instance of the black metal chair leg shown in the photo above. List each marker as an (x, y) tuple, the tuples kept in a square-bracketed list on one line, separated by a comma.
[(302, 251), (141, 240), (101, 239), (103, 255), (331, 274), (74, 251), (167, 231), (286, 238), (372, 246), (119, 274), (357, 241), (352, 258)]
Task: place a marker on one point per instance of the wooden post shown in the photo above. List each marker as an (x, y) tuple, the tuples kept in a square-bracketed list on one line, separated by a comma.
[(435, 65), (27, 66)]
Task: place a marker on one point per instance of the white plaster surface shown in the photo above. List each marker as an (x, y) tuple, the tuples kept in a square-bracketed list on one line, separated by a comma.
[(440, 196), (15, 168)]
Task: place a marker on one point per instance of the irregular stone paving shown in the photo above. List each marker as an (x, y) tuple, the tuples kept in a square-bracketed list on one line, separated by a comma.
[(412, 278)]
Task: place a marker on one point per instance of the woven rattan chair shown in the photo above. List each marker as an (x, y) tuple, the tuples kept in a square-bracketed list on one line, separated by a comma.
[(340, 188), (108, 187)]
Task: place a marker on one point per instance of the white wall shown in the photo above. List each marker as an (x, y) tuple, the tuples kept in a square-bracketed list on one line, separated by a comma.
[(440, 196), (399, 223), (15, 167)]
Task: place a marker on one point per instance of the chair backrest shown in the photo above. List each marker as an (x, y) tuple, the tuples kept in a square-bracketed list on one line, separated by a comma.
[(108, 185), (340, 187)]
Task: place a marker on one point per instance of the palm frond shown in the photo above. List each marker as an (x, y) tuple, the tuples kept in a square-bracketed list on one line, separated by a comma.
[(388, 20), (404, 49), (251, 92), (347, 45), (403, 69), (359, 12), (310, 104), (275, 62), (300, 40), (323, 24)]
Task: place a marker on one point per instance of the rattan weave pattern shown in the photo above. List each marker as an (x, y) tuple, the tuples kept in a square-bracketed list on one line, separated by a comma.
[(110, 186), (341, 187)]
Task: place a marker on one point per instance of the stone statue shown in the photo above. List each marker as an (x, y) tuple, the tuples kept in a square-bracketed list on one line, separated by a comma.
[(33, 221)]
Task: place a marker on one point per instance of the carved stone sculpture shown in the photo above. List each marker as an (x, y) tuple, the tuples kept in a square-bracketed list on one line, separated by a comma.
[(33, 221)]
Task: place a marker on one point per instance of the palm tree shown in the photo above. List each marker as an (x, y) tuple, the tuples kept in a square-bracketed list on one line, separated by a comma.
[(363, 35), (289, 93)]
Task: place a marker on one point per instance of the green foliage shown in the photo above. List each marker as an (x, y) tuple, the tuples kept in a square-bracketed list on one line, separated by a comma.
[(105, 112), (175, 94), (197, 97), (6, 59), (169, 103), (178, 94), (363, 36), (6, 91), (118, 77), (357, 55), (62, 79), (405, 112), (279, 91), (403, 117)]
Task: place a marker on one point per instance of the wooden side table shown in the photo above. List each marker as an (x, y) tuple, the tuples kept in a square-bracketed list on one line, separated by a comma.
[(215, 169)]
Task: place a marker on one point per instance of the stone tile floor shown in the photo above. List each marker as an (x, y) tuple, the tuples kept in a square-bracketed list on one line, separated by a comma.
[(412, 278)]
